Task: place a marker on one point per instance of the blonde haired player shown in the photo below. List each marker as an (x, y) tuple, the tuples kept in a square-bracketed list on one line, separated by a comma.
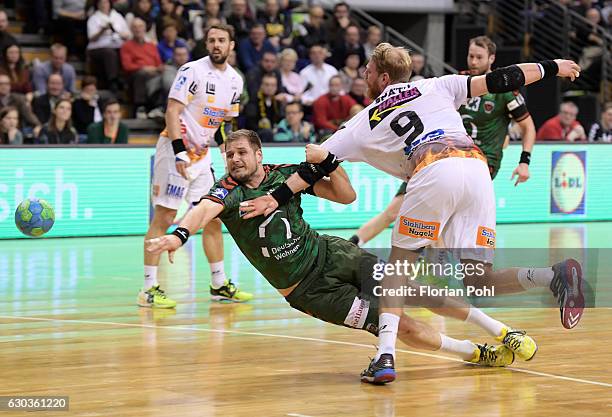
[(416, 134), (204, 96)]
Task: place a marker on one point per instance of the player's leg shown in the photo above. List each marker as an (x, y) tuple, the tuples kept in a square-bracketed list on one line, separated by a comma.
[(381, 221), (221, 288)]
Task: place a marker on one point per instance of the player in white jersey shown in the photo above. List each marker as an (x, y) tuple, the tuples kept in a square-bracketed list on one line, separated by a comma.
[(203, 99), (413, 132)]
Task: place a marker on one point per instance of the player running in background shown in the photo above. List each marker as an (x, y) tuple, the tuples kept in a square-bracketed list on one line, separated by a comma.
[(416, 134), (486, 120), (323, 276), (205, 94)]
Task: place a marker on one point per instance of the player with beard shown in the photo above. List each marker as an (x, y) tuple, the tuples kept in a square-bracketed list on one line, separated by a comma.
[(414, 132), (204, 96)]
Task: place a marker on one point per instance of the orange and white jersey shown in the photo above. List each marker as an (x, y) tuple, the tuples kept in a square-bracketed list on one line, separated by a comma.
[(405, 125), (209, 96)]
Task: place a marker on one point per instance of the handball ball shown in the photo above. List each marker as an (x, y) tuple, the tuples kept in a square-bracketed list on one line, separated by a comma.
[(34, 217)]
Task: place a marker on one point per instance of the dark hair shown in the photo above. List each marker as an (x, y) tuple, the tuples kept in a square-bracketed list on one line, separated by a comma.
[(89, 80), (484, 42), (295, 103), (257, 25), (6, 110), (52, 119), (250, 135), (109, 102), (226, 28), (338, 5), (19, 66)]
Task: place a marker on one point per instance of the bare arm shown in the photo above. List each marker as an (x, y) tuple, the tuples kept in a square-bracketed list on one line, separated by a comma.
[(338, 188), (173, 121), (528, 133)]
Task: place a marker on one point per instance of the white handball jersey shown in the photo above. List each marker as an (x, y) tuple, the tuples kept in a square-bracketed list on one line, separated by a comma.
[(406, 120), (209, 96)]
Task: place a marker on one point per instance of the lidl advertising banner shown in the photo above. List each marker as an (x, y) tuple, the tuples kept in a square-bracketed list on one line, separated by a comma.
[(102, 191)]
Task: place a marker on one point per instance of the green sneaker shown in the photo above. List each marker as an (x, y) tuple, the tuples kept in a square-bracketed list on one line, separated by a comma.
[(155, 297), (229, 292)]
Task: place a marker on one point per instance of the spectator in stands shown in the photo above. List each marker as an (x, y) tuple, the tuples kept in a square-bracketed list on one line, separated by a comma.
[(311, 32), (71, 24), (291, 82), (350, 44), (332, 109), (251, 50), (374, 38), (59, 130), (563, 126), (143, 66), (316, 75), (174, 10), (293, 128), (111, 130), (18, 101), (86, 109), (56, 65), (212, 10), (278, 26), (606, 13), (143, 9), (350, 71), (602, 131), (339, 23), (268, 65), (106, 31), (9, 131), (420, 69), (15, 67), (590, 39), (42, 104), (264, 111), (5, 37), (358, 92), (180, 56), (583, 7), (169, 39), (239, 20)]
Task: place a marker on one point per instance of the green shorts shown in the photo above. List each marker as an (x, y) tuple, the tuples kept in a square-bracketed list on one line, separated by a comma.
[(402, 189), (339, 289)]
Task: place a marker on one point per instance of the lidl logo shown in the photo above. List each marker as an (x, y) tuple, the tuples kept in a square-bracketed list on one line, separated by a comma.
[(568, 183)]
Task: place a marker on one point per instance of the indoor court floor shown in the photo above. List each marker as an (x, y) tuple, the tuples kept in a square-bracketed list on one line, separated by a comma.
[(69, 325)]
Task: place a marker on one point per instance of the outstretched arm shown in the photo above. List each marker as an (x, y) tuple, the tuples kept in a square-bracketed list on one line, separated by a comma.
[(198, 217)]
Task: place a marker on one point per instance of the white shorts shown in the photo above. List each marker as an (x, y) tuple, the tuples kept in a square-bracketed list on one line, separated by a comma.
[(169, 188), (451, 204)]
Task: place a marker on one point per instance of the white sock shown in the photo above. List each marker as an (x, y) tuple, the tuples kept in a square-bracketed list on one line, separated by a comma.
[(150, 276), (535, 277), (489, 324), (217, 274), (387, 334), (462, 348)]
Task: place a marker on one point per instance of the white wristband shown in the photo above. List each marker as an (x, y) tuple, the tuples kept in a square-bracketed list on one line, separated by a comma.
[(542, 72)]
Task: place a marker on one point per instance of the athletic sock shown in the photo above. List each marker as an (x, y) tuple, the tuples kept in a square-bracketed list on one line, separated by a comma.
[(150, 276), (480, 319), (535, 277), (462, 348), (217, 274), (387, 334)]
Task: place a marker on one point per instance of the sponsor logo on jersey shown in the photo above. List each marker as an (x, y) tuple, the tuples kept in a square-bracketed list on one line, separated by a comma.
[(568, 183), (220, 193), (210, 88), (385, 107), (419, 229), (212, 117), (358, 313), (489, 106), (485, 237), (180, 82), (193, 88), (175, 191), (428, 137), (235, 98)]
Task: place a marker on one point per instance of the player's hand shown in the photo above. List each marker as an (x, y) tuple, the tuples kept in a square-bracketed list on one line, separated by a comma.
[(264, 205), (522, 170), (315, 153), (568, 69), (165, 243)]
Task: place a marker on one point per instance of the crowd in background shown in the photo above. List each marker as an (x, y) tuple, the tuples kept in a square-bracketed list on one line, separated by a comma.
[(303, 68)]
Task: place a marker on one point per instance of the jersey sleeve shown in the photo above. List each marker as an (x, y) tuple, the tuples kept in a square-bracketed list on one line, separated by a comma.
[(456, 86), (516, 107), (184, 85), (342, 143)]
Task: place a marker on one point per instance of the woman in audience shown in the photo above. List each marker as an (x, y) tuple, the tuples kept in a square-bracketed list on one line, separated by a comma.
[(59, 130), (291, 81), (110, 130), (9, 133), (144, 10), (350, 71), (86, 109), (15, 67)]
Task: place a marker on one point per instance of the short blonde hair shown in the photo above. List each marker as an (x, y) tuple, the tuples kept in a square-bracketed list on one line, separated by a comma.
[(288, 54), (394, 60)]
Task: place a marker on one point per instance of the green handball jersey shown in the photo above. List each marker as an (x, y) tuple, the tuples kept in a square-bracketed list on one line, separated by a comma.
[(281, 246), (486, 120)]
